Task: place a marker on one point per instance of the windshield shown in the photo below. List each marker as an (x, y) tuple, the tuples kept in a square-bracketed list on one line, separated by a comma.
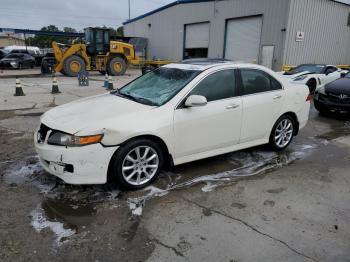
[(316, 69), (159, 86)]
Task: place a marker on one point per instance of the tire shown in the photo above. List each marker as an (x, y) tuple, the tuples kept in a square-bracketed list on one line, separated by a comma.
[(123, 167), (285, 133), (312, 84), (321, 110), (73, 65), (117, 66)]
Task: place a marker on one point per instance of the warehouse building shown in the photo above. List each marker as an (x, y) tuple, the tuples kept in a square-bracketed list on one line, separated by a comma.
[(6, 40), (269, 32)]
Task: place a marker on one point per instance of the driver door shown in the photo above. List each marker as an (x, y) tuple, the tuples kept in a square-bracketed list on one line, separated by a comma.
[(215, 125)]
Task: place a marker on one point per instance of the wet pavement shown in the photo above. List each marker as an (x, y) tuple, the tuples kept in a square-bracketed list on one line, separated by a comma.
[(251, 205)]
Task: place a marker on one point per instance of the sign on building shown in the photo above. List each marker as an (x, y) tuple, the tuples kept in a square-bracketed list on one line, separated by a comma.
[(300, 37)]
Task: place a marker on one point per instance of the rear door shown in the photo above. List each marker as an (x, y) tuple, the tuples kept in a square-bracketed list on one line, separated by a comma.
[(215, 125), (262, 100)]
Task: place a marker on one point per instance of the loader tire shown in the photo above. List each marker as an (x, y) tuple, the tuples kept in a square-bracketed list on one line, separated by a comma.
[(73, 66), (117, 66)]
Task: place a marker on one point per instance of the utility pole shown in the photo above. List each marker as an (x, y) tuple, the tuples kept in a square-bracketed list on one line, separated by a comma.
[(129, 9)]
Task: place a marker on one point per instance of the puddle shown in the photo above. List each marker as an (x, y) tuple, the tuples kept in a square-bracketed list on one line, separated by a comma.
[(40, 222)]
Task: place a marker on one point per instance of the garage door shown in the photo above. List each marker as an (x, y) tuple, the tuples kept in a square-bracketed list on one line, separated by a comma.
[(197, 35), (243, 39)]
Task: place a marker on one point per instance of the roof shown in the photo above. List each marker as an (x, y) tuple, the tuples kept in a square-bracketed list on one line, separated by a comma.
[(165, 7), (346, 2), (211, 63)]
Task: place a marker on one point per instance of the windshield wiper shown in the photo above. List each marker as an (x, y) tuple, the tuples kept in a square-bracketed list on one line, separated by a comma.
[(141, 100)]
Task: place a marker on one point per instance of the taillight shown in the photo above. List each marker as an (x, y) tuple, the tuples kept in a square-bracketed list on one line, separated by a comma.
[(309, 97)]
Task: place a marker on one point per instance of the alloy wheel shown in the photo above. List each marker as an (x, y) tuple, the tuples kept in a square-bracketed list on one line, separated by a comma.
[(284, 133), (140, 165)]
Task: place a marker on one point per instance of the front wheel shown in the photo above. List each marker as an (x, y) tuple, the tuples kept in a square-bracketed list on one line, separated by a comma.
[(282, 133), (137, 164), (74, 65), (117, 66), (312, 85)]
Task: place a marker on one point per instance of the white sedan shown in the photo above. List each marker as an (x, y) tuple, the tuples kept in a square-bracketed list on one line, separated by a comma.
[(173, 115), (313, 75)]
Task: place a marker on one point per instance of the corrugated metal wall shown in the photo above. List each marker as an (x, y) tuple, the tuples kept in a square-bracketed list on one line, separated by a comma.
[(327, 35), (165, 29)]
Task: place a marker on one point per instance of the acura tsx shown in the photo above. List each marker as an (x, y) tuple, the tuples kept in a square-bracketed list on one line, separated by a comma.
[(175, 114)]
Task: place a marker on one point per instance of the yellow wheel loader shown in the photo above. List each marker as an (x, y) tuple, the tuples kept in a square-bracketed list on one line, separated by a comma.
[(99, 53)]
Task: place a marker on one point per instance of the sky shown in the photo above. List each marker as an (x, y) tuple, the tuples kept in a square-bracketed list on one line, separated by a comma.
[(34, 14)]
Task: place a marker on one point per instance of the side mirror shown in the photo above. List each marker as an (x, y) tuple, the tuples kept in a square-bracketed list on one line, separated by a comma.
[(195, 100)]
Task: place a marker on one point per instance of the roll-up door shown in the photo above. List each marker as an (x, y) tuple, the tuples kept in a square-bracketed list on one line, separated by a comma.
[(243, 39)]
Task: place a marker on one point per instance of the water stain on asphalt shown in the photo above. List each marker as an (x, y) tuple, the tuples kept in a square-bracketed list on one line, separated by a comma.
[(67, 210), (337, 130)]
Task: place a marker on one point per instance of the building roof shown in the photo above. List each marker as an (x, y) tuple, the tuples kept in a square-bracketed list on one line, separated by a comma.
[(346, 2), (166, 7)]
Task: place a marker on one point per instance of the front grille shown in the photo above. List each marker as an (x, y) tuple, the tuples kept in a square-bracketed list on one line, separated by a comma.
[(338, 98)]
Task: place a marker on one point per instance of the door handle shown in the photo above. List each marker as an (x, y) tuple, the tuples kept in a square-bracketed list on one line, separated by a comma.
[(233, 106), (277, 97)]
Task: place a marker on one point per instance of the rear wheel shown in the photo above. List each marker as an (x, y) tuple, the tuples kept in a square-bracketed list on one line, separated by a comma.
[(282, 132), (117, 66), (73, 66), (137, 164)]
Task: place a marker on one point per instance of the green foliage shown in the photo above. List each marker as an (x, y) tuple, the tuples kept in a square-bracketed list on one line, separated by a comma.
[(45, 41)]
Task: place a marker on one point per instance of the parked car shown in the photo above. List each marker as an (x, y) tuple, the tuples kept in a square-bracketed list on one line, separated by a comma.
[(175, 114), (334, 96), (313, 75), (17, 61), (48, 63), (31, 50)]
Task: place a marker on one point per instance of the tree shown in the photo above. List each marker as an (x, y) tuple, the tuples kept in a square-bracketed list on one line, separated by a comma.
[(44, 41), (120, 31)]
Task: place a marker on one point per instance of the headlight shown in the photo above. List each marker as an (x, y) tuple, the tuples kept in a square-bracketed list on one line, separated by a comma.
[(62, 139), (13, 63), (300, 78)]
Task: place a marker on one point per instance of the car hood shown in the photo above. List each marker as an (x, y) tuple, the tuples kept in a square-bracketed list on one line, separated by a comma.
[(91, 113), (338, 87)]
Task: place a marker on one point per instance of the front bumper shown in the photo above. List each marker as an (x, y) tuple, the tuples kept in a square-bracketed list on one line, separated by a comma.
[(76, 165), (329, 104), (7, 65)]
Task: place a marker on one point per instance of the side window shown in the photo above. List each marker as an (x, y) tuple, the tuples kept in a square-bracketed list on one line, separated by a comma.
[(256, 81), (219, 85), (330, 70), (275, 85)]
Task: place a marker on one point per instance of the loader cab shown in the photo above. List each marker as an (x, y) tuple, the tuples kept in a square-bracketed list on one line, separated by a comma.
[(97, 41)]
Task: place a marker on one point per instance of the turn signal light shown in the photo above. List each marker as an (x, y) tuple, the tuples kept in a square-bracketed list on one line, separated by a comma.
[(90, 139)]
